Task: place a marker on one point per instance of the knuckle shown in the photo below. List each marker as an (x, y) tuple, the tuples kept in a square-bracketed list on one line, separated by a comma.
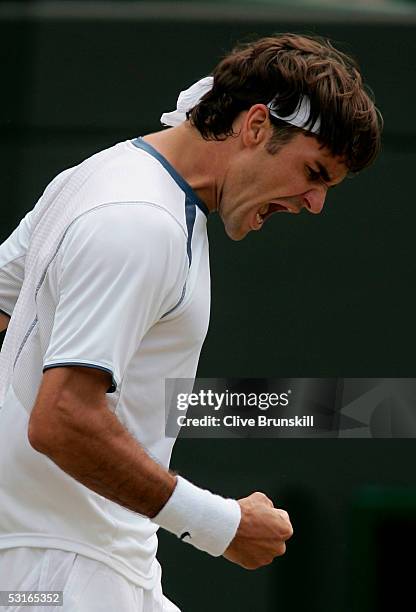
[(283, 532), (266, 560), (249, 565), (259, 561), (287, 533), (262, 497)]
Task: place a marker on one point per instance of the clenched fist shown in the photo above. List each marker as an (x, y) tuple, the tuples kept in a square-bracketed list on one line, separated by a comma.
[(262, 533)]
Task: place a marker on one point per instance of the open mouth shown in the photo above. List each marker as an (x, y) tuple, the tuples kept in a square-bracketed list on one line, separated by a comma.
[(268, 210)]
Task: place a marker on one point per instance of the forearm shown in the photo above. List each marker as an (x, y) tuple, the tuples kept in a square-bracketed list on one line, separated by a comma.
[(100, 453), (72, 424)]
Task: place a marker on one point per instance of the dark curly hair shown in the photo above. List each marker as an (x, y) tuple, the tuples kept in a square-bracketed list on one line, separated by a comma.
[(286, 66)]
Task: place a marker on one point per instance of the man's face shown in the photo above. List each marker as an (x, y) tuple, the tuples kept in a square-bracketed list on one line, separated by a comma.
[(258, 184)]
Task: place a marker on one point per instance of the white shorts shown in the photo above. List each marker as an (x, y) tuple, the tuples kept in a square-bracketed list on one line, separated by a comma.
[(87, 585)]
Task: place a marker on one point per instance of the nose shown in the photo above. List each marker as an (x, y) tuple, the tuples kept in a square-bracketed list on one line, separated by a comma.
[(315, 200)]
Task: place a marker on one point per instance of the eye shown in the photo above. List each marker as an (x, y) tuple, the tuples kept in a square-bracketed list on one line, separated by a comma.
[(313, 175)]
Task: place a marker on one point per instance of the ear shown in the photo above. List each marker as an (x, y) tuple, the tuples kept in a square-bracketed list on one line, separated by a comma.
[(256, 127)]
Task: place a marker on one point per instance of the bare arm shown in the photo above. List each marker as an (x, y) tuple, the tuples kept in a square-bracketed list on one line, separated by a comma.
[(4, 321), (72, 425)]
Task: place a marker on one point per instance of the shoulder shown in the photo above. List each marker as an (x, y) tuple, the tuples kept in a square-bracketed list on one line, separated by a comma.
[(125, 226), (120, 242)]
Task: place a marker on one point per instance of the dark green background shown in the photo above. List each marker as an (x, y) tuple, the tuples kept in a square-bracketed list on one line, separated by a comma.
[(326, 296)]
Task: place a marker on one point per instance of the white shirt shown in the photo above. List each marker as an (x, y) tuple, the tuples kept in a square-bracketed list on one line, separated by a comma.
[(126, 290)]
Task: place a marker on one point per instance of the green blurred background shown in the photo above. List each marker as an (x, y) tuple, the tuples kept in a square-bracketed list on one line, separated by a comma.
[(309, 296)]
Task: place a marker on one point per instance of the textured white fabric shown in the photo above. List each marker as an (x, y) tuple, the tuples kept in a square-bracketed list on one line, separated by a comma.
[(300, 116), (12, 268), (189, 98), (200, 518), (87, 585), (13, 252), (107, 283)]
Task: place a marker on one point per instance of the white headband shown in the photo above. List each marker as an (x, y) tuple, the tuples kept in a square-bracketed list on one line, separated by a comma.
[(188, 98)]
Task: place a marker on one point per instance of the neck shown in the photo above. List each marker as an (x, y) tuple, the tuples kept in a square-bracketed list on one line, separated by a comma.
[(198, 161)]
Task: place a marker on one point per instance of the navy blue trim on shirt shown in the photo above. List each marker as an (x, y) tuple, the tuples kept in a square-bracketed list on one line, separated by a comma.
[(113, 385), (190, 214), (189, 192), (176, 305)]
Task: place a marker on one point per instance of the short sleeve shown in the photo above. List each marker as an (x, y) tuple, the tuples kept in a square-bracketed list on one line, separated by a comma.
[(120, 267)]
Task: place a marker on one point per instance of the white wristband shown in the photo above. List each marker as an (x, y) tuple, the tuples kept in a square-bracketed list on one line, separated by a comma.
[(198, 517)]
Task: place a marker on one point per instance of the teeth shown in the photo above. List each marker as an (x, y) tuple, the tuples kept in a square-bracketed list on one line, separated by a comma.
[(264, 210), (259, 219)]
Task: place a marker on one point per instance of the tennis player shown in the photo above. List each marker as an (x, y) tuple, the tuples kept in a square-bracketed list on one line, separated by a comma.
[(105, 293)]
